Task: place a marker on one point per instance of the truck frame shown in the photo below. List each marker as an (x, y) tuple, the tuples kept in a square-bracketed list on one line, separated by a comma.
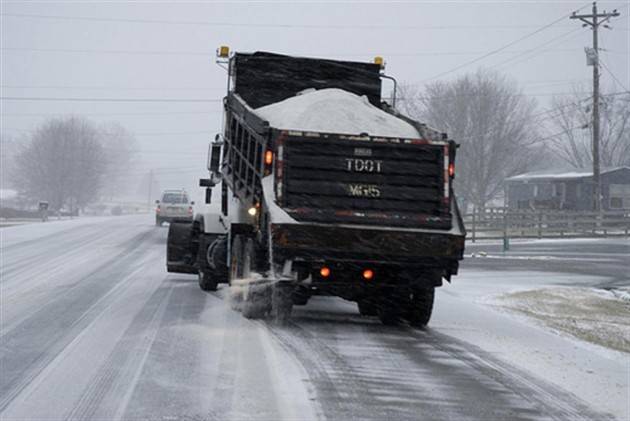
[(370, 219)]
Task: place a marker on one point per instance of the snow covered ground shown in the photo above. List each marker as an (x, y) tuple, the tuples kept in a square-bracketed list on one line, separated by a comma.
[(593, 315), (595, 374), (92, 327)]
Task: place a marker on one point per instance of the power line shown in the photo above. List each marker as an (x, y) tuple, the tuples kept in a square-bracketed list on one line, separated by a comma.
[(613, 75), (174, 113), (536, 50), (135, 134), (264, 25), (211, 54), (110, 88), (76, 99), (504, 47)]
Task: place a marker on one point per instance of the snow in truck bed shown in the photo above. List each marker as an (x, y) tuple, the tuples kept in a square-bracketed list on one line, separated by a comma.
[(334, 111)]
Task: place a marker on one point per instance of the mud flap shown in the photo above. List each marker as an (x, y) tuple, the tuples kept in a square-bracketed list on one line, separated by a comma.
[(179, 255)]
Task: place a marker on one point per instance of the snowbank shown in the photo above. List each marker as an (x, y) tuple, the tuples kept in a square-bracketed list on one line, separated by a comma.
[(589, 314), (334, 111)]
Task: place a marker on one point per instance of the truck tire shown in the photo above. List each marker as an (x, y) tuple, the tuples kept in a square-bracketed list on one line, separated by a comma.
[(257, 299), (282, 302), (421, 307), (367, 307), (208, 277), (216, 259), (300, 296), (389, 308), (207, 281), (236, 259), (249, 258)]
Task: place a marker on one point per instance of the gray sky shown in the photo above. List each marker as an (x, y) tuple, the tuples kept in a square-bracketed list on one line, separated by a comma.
[(165, 50)]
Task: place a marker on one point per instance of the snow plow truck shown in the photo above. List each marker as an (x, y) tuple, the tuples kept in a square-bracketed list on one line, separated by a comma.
[(325, 190)]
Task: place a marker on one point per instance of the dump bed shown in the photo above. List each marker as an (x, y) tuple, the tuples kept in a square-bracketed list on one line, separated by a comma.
[(385, 170)]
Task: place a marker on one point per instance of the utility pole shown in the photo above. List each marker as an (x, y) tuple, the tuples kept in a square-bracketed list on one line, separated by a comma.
[(594, 20)]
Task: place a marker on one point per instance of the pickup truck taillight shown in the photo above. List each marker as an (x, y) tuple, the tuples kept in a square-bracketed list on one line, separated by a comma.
[(451, 170)]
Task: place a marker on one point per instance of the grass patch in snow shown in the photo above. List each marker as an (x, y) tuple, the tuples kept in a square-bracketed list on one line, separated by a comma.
[(592, 315)]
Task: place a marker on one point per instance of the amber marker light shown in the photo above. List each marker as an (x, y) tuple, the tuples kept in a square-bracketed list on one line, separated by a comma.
[(368, 274), (268, 157), (324, 272)]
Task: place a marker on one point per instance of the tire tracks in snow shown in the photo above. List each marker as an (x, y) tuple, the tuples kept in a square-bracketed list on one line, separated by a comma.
[(34, 343), (340, 391), (44, 257), (363, 370), (48, 269), (547, 398), (111, 389)]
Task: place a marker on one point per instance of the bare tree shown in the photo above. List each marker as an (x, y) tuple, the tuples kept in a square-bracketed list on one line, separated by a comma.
[(63, 164), (119, 147), (572, 125), (9, 147), (492, 121)]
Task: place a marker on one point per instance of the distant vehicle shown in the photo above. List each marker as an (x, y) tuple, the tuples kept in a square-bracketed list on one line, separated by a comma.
[(325, 190), (174, 205), (43, 210)]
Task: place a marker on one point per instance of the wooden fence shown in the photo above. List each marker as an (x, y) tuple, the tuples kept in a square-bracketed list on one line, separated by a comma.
[(501, 223)]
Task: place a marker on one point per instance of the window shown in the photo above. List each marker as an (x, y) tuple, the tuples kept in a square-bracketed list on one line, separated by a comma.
[(619, 196), (558, 190), (174, 198)]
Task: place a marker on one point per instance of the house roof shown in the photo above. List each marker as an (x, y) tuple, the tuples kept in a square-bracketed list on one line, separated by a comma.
[(561, 174)]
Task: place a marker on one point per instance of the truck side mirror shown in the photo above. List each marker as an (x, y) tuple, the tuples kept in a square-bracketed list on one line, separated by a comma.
[(208, 195), (214, 157)]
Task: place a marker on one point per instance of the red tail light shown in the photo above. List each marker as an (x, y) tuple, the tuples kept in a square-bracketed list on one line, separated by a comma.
[(368, 274), (324, 272), (451, 170)]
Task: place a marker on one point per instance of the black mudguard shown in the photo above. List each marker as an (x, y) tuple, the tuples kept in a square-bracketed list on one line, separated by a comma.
[(180, 257)]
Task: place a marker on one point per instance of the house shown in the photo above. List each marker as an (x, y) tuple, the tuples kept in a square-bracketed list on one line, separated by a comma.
[(569, 190)]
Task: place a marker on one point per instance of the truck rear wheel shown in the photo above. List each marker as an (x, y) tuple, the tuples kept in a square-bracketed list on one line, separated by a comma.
[(249, 258), (236, 259), (207, 282), (367, 307), (421, 307), (282, 302), (389, 308), (300, 296)]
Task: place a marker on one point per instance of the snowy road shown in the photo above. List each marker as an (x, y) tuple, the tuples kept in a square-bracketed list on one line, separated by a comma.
[(92, 327)]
